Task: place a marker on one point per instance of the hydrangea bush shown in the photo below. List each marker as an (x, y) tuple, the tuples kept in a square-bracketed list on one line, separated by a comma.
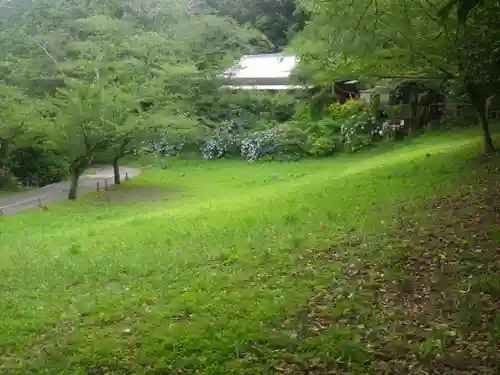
[(351, 126), (277, 142), (259, 144), (358, 131), (165, 149), (225, 141)]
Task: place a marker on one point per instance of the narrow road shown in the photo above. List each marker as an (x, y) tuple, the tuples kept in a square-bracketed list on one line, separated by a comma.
[(24, 201)]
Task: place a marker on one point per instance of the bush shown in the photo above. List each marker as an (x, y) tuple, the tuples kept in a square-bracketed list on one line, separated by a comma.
[(321, 146), (246, 105), (350, 126), (35, 166), (280, 143), (259, 144), (291, 142), (359, 131), (225, 142), (344, 111), (325, 128), (8, 181)]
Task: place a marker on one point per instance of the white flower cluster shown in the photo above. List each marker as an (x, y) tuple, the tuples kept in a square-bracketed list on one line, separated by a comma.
[(355, 126), (252, 146), (164, 148), (226, 136), (387, 129), (259, 144), (213, 149)]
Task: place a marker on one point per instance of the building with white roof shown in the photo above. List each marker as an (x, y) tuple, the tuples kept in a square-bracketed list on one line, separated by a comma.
[(263, 72)]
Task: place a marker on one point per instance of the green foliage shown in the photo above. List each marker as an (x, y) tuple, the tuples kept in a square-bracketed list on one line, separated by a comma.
[(350, 108), (320, 146), (463, 8), (358, 131), (8, 181), (277, 20), (389, 40), (350, 126), (38, 166), (120, 73), (245, 106), (291, 142)]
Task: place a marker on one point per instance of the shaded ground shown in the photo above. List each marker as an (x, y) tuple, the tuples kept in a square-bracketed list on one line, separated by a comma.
[(23, 201), (432, 307)]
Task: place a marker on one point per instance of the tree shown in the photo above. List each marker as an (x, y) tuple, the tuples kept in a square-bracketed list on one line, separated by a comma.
[(105, 61), (20, 121), (463, 8), (400, 40), (278, 20), (83, 125)]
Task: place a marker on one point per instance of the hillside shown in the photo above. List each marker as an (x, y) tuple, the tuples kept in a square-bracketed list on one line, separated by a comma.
[(357, 264)]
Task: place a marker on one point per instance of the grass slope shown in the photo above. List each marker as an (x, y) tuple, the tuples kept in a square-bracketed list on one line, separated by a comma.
[(384, 262)]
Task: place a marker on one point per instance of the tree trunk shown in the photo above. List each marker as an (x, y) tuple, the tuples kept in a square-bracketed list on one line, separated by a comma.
[(76, 170), (479, 103), (4, 150), (413, 104), (116, 171), (73, 188), (483, 121)]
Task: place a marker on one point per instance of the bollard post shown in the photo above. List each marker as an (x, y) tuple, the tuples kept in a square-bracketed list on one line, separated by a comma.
[(126, 176), (105, 184), (97, 189), (1, 211)]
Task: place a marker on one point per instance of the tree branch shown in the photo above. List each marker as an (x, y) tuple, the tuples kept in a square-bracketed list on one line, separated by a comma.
[(360, 19), (44, 49)]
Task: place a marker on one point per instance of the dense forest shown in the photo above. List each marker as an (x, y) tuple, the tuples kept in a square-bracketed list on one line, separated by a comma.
[(87, 80)]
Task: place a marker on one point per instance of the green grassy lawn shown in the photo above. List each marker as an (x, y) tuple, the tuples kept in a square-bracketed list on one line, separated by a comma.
[(383, 262)]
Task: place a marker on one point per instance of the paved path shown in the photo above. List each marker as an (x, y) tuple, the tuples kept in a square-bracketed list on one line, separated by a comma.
[(28, 200)]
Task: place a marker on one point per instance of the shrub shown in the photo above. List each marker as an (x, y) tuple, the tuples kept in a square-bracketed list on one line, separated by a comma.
[(358, 131), (291, 142), (280, 143), (321, 146), (8, 181), (344, 111), (325, 127), (36, 166), (225, 142), (165, 149), (259, 144)]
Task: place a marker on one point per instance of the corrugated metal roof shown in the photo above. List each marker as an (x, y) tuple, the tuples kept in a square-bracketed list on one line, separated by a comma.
[(274, 65)]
